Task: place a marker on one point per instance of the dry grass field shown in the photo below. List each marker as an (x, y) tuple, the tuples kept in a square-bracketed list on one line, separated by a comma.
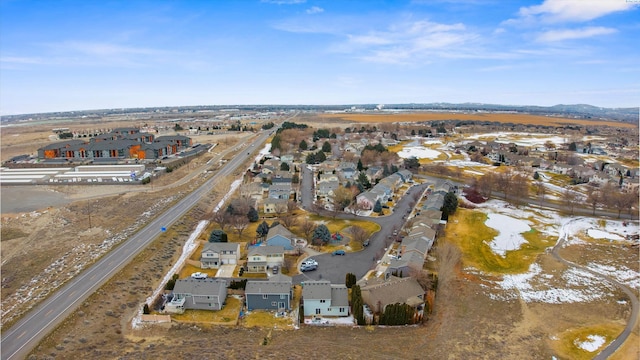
[(467, 322), (497, 117)]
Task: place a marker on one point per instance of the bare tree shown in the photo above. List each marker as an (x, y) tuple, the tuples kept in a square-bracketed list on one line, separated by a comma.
[(421, 276), (222, 218), (292, 206), (239, 223), (281, 209), (594, 198), (289, 220), (504, 182), (341, 198), (307, 228), (486, 185), (570, 199), (358, 234), (449, 257)]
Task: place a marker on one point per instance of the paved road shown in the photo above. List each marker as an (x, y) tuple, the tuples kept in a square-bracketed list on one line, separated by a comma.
[(633, 317), (334, 268), (35, 325)]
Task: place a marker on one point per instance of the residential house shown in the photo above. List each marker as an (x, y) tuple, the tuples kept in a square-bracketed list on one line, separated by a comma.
[(412, 261), (261, 258), (205, 294), (219, 253), (274, 206), (274, 294), (280, 191), (321, 298), (325, 189), (377, 293), (280, 236), (366, 200), (406, 175), (328, 177)]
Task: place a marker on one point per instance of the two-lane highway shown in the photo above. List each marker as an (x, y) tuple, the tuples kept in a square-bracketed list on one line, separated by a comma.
[(35, 325)]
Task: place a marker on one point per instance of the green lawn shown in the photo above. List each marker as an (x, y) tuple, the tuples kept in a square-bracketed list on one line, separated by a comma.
[(467, 229)]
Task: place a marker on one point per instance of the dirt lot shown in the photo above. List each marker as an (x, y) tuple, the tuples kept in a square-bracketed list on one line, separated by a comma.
[(467, 322)]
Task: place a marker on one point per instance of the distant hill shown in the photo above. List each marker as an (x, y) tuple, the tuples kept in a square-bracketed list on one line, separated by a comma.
[(576, 111)]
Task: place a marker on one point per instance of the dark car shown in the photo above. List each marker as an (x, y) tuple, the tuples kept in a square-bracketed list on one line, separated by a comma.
[(339, 252)]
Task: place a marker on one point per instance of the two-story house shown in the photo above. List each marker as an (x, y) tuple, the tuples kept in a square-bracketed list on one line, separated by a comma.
[(205, 294), (321, 298), (215, 254), (274, 294), (262, 258)]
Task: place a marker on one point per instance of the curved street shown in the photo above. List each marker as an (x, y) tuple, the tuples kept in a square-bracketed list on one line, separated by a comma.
[(633, 317)]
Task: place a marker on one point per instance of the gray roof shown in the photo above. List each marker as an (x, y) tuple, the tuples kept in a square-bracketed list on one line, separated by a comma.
[(221, 246), (279, 230), (316, 290), (192, 286), (267, 287), (266, 250), (339, 295), (393, 290)]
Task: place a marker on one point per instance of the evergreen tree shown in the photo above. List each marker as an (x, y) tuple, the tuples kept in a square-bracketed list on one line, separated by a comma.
[(303, 145), (377, 208), (322, 234), (217, 236), (284, 166), (262, 230), (536, 176), (253, 215), (450, 205), (326, 147), (145, 309), (364, 180), (360, 167), (350, 280), (356, 305)]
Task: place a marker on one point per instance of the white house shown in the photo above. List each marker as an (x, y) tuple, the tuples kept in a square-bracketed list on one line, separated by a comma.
[(218, 253), (262, 258), (321, 298)]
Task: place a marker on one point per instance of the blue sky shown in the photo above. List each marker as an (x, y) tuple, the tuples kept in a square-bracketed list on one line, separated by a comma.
[(77, 55)]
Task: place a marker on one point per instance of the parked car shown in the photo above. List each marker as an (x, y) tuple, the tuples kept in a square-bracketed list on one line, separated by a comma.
[(310, 261), (199, 276), (274, 269), (339, 252), (365, 243), (308, 267)]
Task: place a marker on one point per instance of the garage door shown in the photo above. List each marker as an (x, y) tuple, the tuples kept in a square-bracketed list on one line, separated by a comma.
[(232, 261)]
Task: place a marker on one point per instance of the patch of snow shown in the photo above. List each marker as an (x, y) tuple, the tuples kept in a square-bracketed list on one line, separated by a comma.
[(189, 246), (418, 152), (509, 236), (599, 234), (593, 343)]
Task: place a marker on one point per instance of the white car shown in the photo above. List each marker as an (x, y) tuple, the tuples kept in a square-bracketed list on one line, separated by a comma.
[(309, 261), (199, 276)]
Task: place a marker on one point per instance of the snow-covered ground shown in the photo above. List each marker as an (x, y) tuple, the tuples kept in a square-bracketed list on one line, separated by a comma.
[(509, 233), (593, 343), (418, 152), (571, 285)]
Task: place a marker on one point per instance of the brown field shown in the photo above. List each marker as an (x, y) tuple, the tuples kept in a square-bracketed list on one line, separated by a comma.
[(466, 323), (498, 117)]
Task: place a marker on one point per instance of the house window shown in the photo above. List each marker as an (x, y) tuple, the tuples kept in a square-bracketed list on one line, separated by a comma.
[(341, 309), (274, 303), (281, 305), (317, 311), (283, 296), (323, 301), (265, 296)]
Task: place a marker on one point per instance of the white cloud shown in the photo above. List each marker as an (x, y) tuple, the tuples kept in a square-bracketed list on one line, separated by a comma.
[(570, 10), (101, 49), (315, 10), (570, 34)]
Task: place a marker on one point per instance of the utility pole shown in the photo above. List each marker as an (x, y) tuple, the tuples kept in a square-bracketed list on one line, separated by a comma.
[(89, 208)]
